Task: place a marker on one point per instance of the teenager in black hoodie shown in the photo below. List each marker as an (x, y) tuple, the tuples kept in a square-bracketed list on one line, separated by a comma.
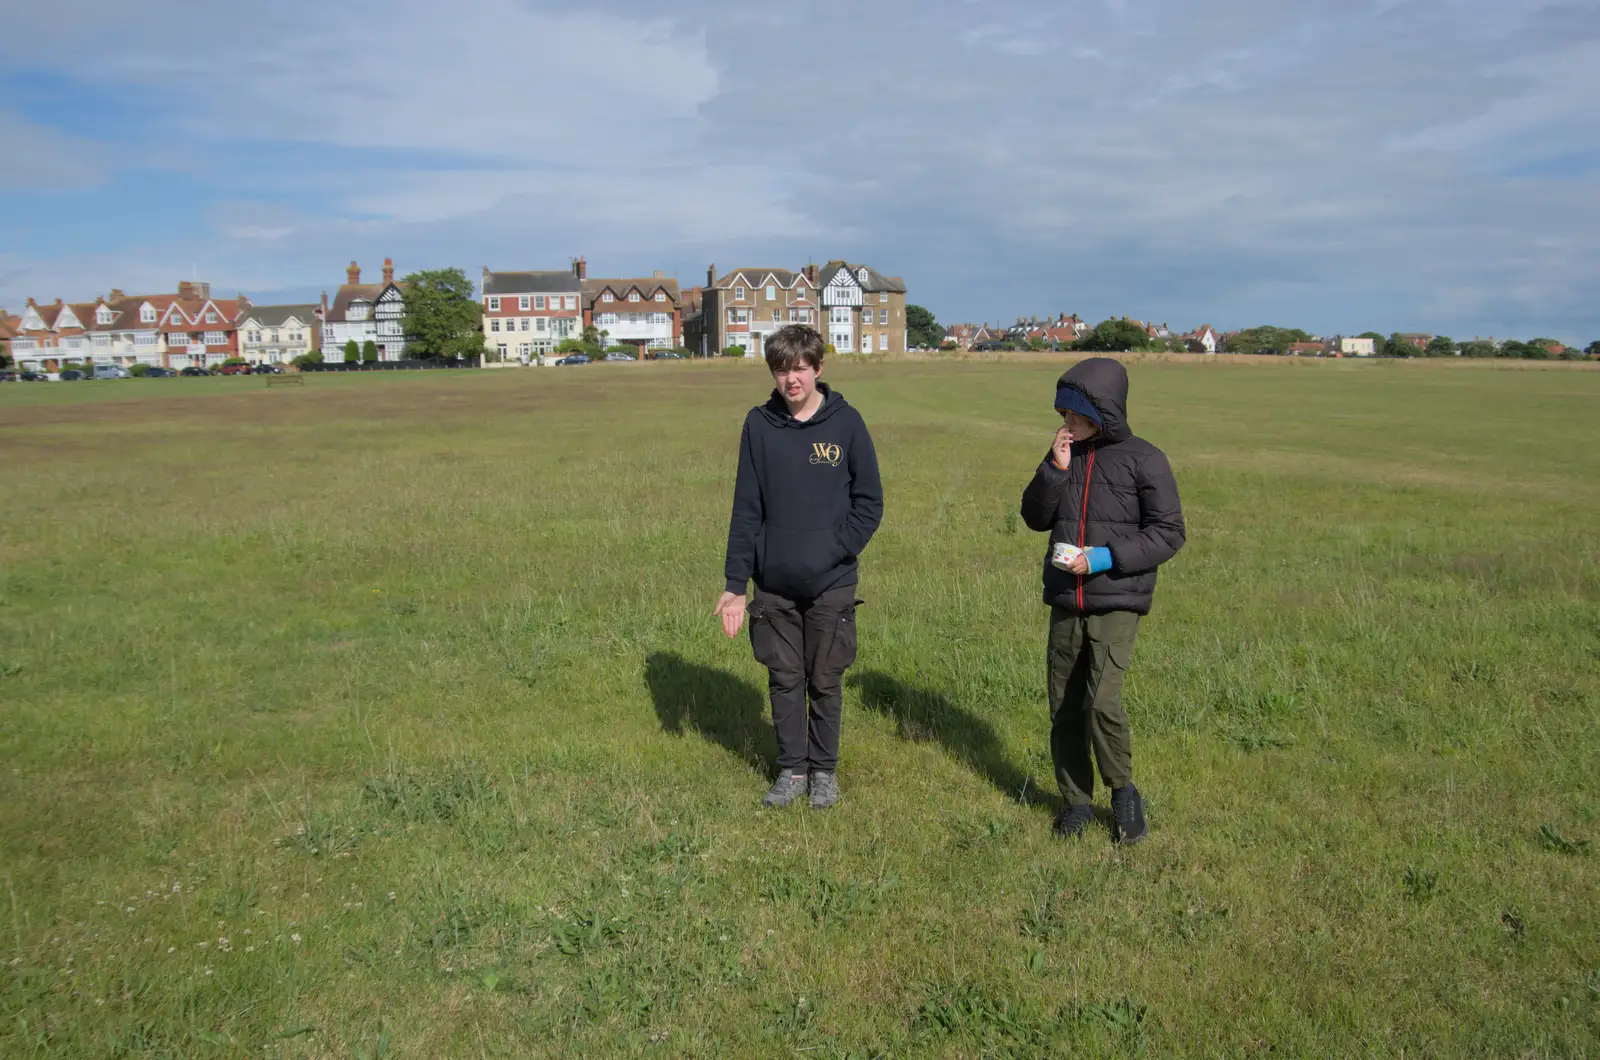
[(1111, 498), (805, 504)]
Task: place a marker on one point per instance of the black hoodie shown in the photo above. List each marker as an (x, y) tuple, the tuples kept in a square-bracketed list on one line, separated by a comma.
[(806, 501), (1118, 493)]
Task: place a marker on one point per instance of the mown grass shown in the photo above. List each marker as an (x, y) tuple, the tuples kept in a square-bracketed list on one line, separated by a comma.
[(384, 717)]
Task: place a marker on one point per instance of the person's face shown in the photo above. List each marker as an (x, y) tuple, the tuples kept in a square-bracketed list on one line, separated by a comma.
[(797, 384), (1081, 428)]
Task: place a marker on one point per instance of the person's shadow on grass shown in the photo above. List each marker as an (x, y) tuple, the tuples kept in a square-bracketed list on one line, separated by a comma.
[(922, 714), (714, 703)]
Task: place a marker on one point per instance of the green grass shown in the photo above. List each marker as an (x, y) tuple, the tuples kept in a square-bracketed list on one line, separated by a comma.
[(406, 687)]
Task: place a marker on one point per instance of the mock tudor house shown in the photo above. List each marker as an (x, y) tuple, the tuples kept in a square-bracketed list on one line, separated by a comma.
[(526, 315), (187, 329), (866, 310), (277, 334), (744, 307), (365, 312)]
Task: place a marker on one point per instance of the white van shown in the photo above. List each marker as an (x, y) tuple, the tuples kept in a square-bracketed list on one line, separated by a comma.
[(111, 371)]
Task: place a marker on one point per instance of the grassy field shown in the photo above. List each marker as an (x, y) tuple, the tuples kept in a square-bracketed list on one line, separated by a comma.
[(385, 717)]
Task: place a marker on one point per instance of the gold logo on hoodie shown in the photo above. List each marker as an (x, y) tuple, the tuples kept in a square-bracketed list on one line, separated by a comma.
[(826, 453)]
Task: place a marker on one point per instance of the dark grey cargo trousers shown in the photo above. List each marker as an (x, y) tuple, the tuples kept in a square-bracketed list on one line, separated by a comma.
[(1089, 656), (805, 644)]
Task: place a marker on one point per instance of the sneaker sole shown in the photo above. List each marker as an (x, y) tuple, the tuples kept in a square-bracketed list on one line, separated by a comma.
[(1128, 841)]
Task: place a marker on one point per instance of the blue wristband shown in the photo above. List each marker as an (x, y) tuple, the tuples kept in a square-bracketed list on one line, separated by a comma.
[(1099, 559)]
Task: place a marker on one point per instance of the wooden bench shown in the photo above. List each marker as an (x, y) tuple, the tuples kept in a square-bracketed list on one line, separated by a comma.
[(286, 379)]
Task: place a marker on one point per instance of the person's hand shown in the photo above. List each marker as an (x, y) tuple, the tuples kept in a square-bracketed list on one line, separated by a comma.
[(1061, 448), (730, 608), (1078, 564)]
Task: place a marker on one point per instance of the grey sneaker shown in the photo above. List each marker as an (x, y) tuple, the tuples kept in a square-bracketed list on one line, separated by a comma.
[(824, 790), (785, 790), (1072, 821), (1127, 807)]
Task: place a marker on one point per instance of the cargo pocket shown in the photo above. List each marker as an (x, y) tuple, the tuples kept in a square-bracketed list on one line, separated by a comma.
[(842, 653), (763, 638)]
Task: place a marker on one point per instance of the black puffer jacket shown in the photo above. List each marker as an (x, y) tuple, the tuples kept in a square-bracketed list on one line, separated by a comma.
[(1118, 493)]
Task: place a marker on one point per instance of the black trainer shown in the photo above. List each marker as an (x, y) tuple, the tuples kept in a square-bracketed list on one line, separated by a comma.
[(1127, 810), (1071, 821)]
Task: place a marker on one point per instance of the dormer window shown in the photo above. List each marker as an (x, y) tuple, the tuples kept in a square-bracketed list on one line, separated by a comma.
[(661, 296), (863, 275), (633, 296), (102, 315), (211, 317), (607, 297), (147, 314)]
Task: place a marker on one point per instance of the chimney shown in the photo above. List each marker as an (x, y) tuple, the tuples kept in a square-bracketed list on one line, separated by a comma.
[(388, 271), (116, 295), (811, 273), (658, 275), (352, 275), (711, 275), (580, 268), (324, 303), (58, 303)]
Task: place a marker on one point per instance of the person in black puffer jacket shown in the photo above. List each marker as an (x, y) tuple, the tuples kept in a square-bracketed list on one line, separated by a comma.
[(1112, 497)]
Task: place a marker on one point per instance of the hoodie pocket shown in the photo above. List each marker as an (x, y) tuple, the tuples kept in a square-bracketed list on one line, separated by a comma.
[(794, 561)]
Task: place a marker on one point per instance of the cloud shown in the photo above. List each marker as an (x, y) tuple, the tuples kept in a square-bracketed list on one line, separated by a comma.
[(1335, 165), (41, 159)]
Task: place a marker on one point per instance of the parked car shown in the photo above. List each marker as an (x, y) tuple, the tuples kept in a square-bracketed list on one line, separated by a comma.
[(574, 358), (234, 369), (668, 355), (155, 371), (111, 371), (620, 357), (192, 370), (70, 374), (266, 369), (34, 377)]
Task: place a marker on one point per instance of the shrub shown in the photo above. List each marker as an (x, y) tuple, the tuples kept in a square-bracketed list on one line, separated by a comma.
[(352, 352), (136, 370), (369, 352), (569, 346), (314, 357), (235, 360)]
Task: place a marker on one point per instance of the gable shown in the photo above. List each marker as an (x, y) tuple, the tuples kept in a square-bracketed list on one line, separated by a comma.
[(67, 318), (31, 320)]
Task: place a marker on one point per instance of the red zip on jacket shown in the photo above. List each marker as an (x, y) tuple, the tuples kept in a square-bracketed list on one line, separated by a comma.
[(1083, 517)]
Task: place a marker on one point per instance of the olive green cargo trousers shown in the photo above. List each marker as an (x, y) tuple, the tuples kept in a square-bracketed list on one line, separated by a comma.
[(1088, 657)]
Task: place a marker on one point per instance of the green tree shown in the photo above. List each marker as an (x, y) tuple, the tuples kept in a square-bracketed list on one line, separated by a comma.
[(569, 346), (1593, 349), (1441, 346), (921, 328), (314, 357), (1115, 335), (1478, 348), (369, 352), (1395, 346), (442, 319), (352, 352), (733, 351), (1265, 339)]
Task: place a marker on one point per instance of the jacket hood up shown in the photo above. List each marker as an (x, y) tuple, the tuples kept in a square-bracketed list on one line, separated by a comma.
[(1104, 381)]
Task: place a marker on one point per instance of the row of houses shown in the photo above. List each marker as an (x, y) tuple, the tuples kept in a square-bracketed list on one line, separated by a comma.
[(528, 314), (191, 327)]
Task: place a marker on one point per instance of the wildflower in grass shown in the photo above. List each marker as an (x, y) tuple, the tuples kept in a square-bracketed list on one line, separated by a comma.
[(295, 938), (224, 945)]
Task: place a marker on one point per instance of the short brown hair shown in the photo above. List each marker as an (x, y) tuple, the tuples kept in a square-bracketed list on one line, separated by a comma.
[(790, 345)]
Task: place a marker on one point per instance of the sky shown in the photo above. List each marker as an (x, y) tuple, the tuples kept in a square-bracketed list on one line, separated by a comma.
[(1336, 165)]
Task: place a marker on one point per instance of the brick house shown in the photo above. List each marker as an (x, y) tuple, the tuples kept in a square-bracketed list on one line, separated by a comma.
[(1419, 339), (365, 312), (866, 310), (172, 330), (1307, 349), (526, 315), (277, 334), (745, 306), (643, 313)]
